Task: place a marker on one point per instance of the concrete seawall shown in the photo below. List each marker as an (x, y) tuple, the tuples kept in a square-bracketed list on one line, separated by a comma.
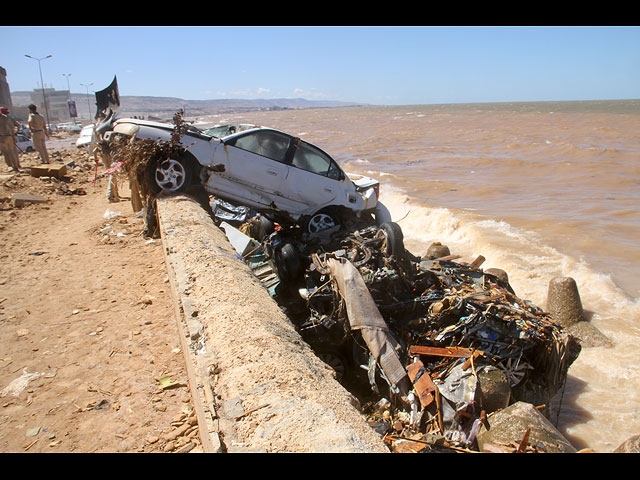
[(256, 385)]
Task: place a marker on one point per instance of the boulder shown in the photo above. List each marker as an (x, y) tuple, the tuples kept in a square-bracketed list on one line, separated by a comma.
[(437, 250), (510, 424), (630, 445)]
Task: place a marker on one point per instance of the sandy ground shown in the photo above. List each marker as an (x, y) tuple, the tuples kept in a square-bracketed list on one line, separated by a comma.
[(90, 357)]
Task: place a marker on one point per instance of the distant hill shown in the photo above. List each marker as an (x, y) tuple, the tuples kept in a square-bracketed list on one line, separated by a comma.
[(166, 107)]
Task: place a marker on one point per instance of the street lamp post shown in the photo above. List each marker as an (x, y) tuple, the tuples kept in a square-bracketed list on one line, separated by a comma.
[(44, 97), (88, 102), (67, 75)]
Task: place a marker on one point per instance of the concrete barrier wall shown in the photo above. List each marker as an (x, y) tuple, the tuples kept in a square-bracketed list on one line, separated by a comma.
[(256, 385)]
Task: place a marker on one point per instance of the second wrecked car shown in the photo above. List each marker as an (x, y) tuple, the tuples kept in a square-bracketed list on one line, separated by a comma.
[(269, 170)]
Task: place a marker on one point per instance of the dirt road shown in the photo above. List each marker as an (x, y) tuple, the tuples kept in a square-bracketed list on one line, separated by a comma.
[(90, 356)]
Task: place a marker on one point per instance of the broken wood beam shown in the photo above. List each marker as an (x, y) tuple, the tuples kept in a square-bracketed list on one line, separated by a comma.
[(477, 262), (455, 352), (422, 383)]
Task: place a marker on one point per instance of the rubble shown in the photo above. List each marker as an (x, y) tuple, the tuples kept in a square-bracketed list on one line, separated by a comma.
[(442, 344)]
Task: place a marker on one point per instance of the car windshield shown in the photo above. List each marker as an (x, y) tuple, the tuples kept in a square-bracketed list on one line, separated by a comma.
[(221, 131)]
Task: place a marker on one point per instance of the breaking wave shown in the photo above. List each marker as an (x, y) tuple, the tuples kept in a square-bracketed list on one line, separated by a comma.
[(527, 259)]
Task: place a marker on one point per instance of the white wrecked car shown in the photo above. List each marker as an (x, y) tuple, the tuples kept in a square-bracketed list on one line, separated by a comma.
[(86, 135), (263, 168)]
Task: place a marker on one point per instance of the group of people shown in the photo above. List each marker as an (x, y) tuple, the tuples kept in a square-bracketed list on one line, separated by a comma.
[(9, 128)]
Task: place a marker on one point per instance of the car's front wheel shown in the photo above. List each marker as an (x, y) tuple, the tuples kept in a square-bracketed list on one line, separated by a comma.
[(170, 174), (322, 220)]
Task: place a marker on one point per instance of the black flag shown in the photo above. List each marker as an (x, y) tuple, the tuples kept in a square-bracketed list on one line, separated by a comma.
[(108, 100)]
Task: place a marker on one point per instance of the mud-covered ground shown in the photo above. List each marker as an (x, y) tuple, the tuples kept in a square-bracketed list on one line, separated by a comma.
[(90, 357)]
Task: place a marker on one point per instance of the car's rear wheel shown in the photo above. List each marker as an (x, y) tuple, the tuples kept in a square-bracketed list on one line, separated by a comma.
[(393, 238), (170, 174)]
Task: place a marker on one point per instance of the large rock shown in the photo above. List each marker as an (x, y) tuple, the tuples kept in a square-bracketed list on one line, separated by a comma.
[(437, 250), (509, 425), (631, 445)]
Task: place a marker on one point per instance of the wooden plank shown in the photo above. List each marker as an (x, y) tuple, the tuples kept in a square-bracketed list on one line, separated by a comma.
[(470, 360), (477, 262), (455, 352), (423, 385)]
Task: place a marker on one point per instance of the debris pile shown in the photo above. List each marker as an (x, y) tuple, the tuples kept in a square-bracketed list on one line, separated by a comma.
[(431, 346)]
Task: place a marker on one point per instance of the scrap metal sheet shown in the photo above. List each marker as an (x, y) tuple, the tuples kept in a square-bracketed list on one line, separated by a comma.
[(364, 315)]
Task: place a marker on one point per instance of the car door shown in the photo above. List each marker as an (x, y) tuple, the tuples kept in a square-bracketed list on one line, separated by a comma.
[(314, 178), (255, 167)]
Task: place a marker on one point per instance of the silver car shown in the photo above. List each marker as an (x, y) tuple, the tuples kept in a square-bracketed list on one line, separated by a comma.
[(271, 171)]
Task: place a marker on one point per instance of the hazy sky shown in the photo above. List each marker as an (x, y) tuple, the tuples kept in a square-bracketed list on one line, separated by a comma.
[(376, 65)]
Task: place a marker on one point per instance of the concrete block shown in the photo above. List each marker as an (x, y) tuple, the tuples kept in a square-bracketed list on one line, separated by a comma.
[(20, 199), (563, 301), (46, 170), (511, 424)]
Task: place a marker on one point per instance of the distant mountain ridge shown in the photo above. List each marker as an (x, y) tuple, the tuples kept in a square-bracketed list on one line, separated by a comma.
[(163, 107)]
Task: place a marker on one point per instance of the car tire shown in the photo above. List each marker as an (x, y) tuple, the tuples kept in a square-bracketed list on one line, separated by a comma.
[(335, 361), (172, 175), (267, 227), (394, 238), (322, 220), (288, 262), (382, 214)]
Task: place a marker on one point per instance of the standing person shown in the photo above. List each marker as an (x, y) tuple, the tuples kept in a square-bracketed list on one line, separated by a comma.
[(100, 146), (8, 129), (38, 128)]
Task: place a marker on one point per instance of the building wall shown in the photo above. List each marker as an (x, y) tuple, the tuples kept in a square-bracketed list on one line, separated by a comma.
[(5, 93), (56, 102)]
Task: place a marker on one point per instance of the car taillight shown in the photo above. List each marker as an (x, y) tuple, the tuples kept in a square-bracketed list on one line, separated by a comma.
[(377, 190)]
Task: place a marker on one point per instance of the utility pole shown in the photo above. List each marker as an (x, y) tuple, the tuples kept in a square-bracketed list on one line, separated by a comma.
[(44, 97), (67, 75)]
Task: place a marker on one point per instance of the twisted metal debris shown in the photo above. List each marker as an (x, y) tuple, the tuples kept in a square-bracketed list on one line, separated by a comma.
[(444, 322)]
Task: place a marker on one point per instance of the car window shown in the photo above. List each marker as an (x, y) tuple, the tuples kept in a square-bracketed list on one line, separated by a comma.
[(314, 160), (273, 145), (220, 131)]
